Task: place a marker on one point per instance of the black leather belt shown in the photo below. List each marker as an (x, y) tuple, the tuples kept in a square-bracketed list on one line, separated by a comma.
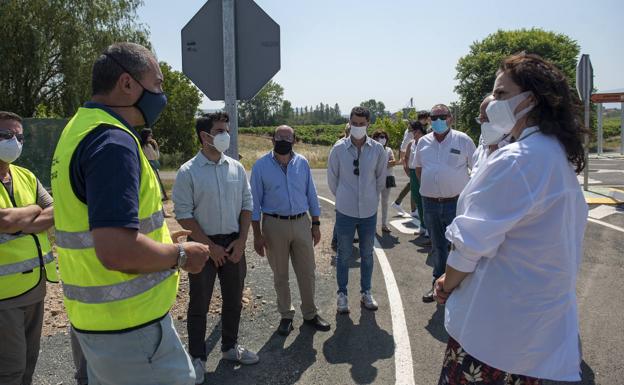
[(442, 200), (288, 217)]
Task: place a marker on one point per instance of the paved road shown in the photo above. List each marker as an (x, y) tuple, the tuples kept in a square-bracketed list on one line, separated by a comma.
[(361, 347)]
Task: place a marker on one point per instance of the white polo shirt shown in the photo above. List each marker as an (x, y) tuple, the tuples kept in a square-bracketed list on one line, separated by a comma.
[(445, 165), (519, 232)]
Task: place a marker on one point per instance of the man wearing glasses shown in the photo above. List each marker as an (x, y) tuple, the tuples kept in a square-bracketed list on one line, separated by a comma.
[(443, 161), (283, 193), (356, 175), (26, 260)]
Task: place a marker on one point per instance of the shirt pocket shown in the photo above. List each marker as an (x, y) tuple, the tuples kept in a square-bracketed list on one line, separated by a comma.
[(455, 158)]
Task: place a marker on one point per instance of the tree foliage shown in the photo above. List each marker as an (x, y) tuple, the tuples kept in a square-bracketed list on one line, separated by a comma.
[(175, 130), (476, 71), (263, 108), (377, 109), (49, 46)]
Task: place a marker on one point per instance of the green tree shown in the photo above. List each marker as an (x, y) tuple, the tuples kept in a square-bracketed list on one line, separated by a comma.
[(394, 126), (263, 108), (48, 48), (377, 109), (175, 130), (476, 71)]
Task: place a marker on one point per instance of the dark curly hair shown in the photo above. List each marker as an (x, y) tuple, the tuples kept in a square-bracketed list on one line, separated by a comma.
[(206, 121), (558, 108)]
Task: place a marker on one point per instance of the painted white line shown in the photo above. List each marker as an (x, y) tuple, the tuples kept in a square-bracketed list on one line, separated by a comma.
[(602, 211), (403, 364), (406, 226), (609, 225)]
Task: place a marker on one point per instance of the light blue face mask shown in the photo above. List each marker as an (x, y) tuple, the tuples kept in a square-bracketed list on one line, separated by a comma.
[(439, 126)]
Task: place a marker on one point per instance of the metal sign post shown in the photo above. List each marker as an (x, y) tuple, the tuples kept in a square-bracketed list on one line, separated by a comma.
[(584, 85), (229, 74)]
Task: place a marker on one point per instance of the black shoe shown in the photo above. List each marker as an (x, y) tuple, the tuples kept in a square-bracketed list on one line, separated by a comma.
[(285, 327), (428, 298), (318, 323)]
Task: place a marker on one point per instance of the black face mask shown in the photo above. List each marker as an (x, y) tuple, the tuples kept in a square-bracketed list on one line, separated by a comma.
[(282, 147)]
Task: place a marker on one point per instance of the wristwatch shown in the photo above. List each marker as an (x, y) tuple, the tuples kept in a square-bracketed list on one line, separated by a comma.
[(316, 223), (181, 257)]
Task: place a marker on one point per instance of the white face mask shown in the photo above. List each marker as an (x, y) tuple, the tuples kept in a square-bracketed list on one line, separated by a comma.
[(10, 150), (358, 132), (382, 141), (490, 134), (501, 115), (221, 142)]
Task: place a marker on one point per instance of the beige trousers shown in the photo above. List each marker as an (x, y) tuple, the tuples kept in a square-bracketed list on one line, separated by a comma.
[(291, 240)]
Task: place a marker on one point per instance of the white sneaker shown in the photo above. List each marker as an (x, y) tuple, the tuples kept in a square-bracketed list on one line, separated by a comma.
[(397, 207), (414, 214), (342, 304), (241, 355), (368, 301), (200, 368)]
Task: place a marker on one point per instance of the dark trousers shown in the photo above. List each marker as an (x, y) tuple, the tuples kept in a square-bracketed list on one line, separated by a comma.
[(402, 195), (232, 280)]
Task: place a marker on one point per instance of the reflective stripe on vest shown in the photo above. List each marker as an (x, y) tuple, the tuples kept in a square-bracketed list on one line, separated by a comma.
[(4, 238), (84, 239), (26, 265), (116, 292)]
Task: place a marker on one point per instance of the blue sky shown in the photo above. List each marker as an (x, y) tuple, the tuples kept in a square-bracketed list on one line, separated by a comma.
[(347, 51)]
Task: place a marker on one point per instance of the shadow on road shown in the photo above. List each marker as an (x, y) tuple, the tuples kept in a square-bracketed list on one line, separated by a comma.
[(587, 377), (435, 326), (359, 346)]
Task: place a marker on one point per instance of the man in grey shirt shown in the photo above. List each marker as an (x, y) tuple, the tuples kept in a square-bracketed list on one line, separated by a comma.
[(356, 174), (213, 200)]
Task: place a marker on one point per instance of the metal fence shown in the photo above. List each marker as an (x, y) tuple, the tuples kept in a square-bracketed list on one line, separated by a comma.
[(40, 138)]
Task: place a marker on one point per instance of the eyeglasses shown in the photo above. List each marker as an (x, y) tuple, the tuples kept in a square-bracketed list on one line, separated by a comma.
[(356, 164), (436, 117), (5, 135), (290, 139)]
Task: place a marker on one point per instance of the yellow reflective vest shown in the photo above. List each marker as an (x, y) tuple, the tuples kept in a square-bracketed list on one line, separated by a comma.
[(98, 299), (23, 257)]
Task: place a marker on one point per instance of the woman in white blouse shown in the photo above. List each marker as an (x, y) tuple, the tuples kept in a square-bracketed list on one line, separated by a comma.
[(510, 282)]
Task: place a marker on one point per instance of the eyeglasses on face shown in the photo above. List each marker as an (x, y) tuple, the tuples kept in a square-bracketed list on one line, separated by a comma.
[(6, 135), (436, 117)]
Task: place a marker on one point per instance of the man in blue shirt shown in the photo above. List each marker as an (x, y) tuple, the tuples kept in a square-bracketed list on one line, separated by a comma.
[(283, 192)]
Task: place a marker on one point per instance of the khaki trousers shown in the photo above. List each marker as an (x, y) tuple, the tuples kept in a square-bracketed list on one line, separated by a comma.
[(291, 240)]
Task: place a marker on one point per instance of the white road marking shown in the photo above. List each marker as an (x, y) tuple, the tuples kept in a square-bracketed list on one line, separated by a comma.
[(403, 364), (602, 211), (589, 180), (403, 225), (609, 225)]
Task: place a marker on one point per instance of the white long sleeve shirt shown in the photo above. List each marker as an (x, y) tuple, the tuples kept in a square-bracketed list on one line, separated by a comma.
[(357, 196), (519, 230)]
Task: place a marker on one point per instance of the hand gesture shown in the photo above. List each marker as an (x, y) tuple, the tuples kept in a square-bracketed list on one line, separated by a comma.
[(235, 250), (219, 255), (196, 256)]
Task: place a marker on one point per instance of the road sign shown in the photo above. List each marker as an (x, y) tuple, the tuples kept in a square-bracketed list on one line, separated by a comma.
[(257, 47), (584, 86), (584, 78)]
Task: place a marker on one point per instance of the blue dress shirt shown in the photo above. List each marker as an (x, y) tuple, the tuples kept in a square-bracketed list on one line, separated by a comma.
[(280, 192)]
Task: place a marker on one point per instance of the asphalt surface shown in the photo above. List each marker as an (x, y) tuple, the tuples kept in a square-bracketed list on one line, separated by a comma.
[(360, 348)]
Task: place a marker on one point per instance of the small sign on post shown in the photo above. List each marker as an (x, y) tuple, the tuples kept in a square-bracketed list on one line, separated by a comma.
[(585, 85)]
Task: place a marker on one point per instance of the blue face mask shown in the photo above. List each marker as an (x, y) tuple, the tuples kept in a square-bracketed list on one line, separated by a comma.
[(150, 104), (439, 126)]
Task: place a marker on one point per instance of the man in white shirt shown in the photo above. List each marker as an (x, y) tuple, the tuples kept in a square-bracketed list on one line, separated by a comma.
[(443, 160), (404, 155), (356, 175), (213, 200)]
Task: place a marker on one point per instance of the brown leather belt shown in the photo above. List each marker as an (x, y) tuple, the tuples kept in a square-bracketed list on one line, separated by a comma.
[(442, 200)]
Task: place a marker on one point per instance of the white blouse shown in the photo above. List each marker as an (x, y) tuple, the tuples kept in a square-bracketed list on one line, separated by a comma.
[(519, 230)]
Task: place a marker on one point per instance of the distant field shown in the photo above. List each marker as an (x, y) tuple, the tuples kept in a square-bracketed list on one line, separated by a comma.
[(324, 134), (252, 147)]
